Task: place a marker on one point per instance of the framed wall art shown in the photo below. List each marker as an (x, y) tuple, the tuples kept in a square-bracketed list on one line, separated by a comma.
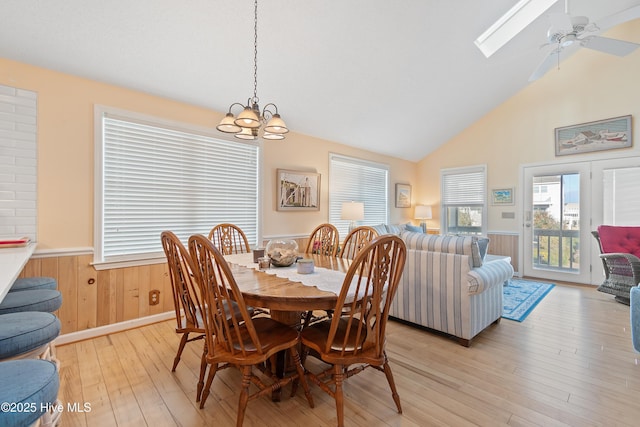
[(403, 196), (600, 135), (502, 196), (298, 190)]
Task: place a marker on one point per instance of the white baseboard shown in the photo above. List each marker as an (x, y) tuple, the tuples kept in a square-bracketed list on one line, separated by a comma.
[(109, 329)]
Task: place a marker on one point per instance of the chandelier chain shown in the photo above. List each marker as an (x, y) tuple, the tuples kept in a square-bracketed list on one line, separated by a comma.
[(255, 51)]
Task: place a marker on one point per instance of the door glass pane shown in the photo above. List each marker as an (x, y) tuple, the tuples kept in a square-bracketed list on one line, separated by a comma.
[(556, 222)]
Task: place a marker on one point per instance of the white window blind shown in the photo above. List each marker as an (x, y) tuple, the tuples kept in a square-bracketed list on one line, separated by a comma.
[(464, 196), (621, 196), (158, 178), (356, 180), (18, 162)]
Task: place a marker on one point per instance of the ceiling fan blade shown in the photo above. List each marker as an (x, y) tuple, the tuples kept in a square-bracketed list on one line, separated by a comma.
[(549, 62), (607, 45)]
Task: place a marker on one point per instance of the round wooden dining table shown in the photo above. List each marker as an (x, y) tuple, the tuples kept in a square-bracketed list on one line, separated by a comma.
[(287, 299)]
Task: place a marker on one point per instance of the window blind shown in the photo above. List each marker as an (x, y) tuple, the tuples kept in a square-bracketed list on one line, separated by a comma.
[(464, 187), (157, 178), (356, 180)]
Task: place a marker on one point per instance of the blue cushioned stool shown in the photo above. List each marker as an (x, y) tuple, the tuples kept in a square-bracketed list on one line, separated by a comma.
[(47, 300), (27, 334), (31, 283), (634, 295), (29, 387)]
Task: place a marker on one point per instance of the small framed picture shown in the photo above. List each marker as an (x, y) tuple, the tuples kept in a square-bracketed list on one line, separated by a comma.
[(298, 190), (403, 196), (502, 196)]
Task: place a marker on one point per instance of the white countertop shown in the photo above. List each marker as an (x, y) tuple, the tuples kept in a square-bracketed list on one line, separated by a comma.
[(12, 261)]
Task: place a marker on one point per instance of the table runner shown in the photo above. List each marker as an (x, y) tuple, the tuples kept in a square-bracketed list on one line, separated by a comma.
[(322, 278)]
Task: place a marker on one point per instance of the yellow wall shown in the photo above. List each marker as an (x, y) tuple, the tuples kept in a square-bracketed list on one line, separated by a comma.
[(66, 155), (589, 86)]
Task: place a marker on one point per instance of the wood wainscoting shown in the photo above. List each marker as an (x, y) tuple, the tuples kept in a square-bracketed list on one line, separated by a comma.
[(506, 245), (92, 298)]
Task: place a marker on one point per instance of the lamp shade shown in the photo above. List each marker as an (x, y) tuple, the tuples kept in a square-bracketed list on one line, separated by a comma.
[(352, 211), (248, 118), (423, 212), (227, 124), (276, 125)]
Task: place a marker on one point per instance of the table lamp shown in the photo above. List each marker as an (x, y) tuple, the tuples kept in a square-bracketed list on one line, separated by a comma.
[(352, 211), (423, 212)]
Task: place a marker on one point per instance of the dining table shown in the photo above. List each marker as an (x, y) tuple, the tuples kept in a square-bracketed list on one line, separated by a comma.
[(284, 291), (288, 294)]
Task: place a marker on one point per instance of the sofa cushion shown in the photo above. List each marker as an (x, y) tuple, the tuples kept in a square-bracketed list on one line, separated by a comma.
[(381, 229), (396, 229), (483, 246), (461, 245)]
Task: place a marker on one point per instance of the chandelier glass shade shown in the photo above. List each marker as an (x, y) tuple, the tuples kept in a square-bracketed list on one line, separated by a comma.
[(250, 119)]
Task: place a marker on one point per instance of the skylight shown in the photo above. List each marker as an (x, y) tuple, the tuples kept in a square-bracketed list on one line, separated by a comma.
[(510, 24)]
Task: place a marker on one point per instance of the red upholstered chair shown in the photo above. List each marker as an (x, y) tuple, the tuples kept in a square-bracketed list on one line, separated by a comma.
[(620, 254)]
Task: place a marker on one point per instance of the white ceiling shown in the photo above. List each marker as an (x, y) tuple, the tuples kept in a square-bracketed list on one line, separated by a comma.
[(395, 77)]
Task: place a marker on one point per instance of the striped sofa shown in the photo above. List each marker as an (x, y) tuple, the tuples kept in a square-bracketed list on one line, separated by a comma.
[(448, 286)]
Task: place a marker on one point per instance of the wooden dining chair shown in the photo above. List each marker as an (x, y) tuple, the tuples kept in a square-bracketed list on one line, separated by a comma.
[(186, 292), (356, 240), (323, 240), (229, 239), (357, 335), (244, 342)]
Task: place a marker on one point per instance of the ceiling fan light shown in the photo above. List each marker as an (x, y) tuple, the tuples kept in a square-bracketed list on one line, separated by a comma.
[(228, 125), (248, 118), (247, 134), (272, 136), (276, 125)]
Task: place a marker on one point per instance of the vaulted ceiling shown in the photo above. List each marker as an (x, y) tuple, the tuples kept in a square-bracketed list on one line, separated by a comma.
[(395, 77)]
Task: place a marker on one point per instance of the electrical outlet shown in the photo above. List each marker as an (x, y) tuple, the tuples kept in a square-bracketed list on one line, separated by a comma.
[(154, 297)]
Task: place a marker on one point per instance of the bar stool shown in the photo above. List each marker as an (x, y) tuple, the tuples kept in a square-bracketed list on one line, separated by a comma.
[(28, 335), (47, 300), (30, 384), (31, 283)]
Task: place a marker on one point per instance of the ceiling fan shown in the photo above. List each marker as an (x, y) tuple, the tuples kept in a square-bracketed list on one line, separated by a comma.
[(570, 32)]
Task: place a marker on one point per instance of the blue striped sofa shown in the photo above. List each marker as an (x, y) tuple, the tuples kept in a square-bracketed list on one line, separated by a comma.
[(448, 286)]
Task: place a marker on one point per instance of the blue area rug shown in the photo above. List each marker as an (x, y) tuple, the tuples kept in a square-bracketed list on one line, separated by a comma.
[(520, 297)]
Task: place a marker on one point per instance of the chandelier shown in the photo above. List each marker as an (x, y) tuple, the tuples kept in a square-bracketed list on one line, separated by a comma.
[(250, 119)]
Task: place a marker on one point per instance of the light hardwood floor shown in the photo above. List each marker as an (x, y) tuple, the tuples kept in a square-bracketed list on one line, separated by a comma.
[(570, 362)]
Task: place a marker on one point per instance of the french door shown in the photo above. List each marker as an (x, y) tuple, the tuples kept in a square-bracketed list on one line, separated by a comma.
[(563, 203), (557, 222)]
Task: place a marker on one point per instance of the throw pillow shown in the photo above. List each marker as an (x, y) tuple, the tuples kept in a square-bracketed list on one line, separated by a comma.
[(414, 228)]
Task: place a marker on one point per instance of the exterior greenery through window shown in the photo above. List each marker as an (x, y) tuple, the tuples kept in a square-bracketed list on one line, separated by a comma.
[(464, 196), (356, 180), (154, 176)]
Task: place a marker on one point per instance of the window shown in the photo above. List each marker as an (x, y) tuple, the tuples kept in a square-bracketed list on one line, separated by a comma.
[(356, 180), (18, 165), (464, 198), (153, 176)]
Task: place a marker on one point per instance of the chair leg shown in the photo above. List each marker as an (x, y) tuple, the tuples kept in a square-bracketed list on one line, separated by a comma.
[(203, 370), (392, 384), (301, 377), (338, 377), (244, 394), (183, 342), (207, 387)]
